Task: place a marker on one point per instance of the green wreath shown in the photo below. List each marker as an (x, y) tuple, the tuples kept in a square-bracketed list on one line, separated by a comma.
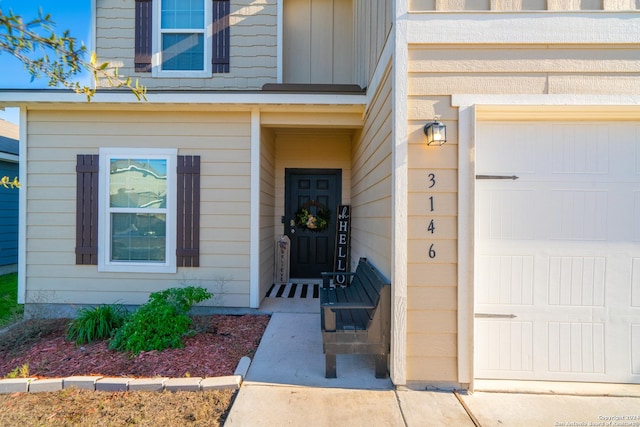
[(313, 222)]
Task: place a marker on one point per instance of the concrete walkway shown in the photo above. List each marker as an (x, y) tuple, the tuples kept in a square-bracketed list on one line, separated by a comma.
[(285, 386)]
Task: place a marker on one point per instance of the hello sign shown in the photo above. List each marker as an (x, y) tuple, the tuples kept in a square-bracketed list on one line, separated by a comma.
[(343, 238)]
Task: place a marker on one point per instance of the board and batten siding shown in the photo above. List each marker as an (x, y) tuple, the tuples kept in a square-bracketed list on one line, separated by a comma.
[(434, 74), (318, 41), (56, 137), (521, 5), (253, 46), (371, 205), (373, 22), (267, 209)]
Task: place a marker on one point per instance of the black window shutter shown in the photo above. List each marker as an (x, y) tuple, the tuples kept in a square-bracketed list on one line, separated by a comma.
[(87, 209), (144, 30), (221, 36), (188, 214)]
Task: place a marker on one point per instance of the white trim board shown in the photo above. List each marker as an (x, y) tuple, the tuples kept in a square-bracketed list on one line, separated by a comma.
[(254, 257), (16, 98)]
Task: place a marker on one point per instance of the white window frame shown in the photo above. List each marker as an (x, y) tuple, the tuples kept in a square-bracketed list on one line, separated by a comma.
[(156, 59), (105, 263)]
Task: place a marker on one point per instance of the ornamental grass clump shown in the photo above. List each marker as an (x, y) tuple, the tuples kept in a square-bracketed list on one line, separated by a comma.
[(97, 323), (161, 323)]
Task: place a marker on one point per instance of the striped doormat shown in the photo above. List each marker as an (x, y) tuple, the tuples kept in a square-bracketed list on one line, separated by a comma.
[(294, 290)]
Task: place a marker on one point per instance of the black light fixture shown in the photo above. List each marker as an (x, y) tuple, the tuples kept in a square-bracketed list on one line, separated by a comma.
[(436, 132)]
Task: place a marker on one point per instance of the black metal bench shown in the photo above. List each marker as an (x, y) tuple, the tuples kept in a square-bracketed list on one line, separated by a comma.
[(356, 319)]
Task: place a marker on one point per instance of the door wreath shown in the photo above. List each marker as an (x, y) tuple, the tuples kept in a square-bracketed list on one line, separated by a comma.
[(307, 220)]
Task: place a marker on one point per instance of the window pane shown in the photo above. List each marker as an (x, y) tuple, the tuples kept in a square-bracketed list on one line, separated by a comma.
[(182, 14), (138, 237), (183, 52), (138, 183)]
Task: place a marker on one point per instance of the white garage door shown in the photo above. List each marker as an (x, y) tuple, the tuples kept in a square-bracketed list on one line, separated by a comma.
[(558, 251)]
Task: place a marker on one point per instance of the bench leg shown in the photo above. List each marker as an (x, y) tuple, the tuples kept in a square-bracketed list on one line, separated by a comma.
[(330, 366), (381, 365)]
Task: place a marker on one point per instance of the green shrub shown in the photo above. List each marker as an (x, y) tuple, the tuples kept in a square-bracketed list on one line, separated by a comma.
[(160, 323), (97, 323)]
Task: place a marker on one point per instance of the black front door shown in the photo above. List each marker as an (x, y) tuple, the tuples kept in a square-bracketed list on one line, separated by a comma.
[(311, 199)]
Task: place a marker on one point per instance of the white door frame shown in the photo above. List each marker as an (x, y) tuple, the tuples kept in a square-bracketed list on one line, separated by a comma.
[(473, 108)]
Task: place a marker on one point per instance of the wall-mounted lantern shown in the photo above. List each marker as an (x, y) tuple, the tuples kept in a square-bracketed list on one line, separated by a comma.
[(436, 132)]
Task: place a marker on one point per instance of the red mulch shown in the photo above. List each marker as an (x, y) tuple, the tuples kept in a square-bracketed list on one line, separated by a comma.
[(219, 343)]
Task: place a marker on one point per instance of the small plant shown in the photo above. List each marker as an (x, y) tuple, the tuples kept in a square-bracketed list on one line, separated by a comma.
[(160, 323), (19, 372), (97, 323)]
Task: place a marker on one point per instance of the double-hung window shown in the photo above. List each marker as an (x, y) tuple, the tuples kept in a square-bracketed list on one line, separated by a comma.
[(183, 38), (137, 204)]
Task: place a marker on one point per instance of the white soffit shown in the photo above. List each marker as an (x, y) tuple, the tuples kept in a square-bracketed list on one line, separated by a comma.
[(524, 28)]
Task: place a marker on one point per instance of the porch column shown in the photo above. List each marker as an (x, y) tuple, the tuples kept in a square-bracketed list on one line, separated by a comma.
[(254, 263)]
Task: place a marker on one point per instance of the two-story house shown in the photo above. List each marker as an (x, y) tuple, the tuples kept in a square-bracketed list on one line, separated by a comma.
[(513, 249)]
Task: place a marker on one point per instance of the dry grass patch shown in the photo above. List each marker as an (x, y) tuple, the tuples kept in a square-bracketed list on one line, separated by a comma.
[(73, 407)]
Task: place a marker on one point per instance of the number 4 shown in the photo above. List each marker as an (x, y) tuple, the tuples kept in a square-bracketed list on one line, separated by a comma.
[(432, 227)]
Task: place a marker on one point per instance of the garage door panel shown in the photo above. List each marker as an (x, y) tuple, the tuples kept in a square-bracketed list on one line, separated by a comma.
[(511, 277), (507, 346), (576, 281), (507, 214), (636, 216), (579, 215), (635, 282), (576, 347), (579, 149), (517, 147), (557, 261), (635, 348)]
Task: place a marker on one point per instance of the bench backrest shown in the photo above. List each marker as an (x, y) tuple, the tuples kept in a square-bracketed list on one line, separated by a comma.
[(368, 278)]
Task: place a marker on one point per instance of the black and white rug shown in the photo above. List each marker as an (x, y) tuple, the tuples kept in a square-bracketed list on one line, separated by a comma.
[(294, 290)]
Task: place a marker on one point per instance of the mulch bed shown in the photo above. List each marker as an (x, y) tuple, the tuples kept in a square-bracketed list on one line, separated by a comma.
[(215, 349)]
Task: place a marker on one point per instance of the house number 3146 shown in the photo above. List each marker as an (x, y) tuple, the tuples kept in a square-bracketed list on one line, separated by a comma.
[(431, 225)]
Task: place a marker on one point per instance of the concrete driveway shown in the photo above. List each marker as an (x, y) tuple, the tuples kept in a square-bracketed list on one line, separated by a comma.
[(285, 386)]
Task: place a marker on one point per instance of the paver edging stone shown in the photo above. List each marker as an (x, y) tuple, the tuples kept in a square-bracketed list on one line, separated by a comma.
[(99, 383)]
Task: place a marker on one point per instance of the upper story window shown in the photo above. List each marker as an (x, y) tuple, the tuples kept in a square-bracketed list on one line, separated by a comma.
[(182, 38)]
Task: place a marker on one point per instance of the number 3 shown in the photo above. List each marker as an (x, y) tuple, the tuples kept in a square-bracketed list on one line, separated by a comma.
[(432, 180)]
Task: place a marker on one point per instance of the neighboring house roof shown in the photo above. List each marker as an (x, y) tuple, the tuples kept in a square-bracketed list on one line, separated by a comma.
[(8, 138)]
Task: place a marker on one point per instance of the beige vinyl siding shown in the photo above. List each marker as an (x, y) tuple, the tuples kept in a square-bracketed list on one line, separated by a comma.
[(56, 137), (374, 19), (431, 282), (371, 177), (253, 46), (267, 209), (310, 149), (523, 69), (521, 5)]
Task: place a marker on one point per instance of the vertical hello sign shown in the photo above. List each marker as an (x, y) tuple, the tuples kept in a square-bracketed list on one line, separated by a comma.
[(343, 238)]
